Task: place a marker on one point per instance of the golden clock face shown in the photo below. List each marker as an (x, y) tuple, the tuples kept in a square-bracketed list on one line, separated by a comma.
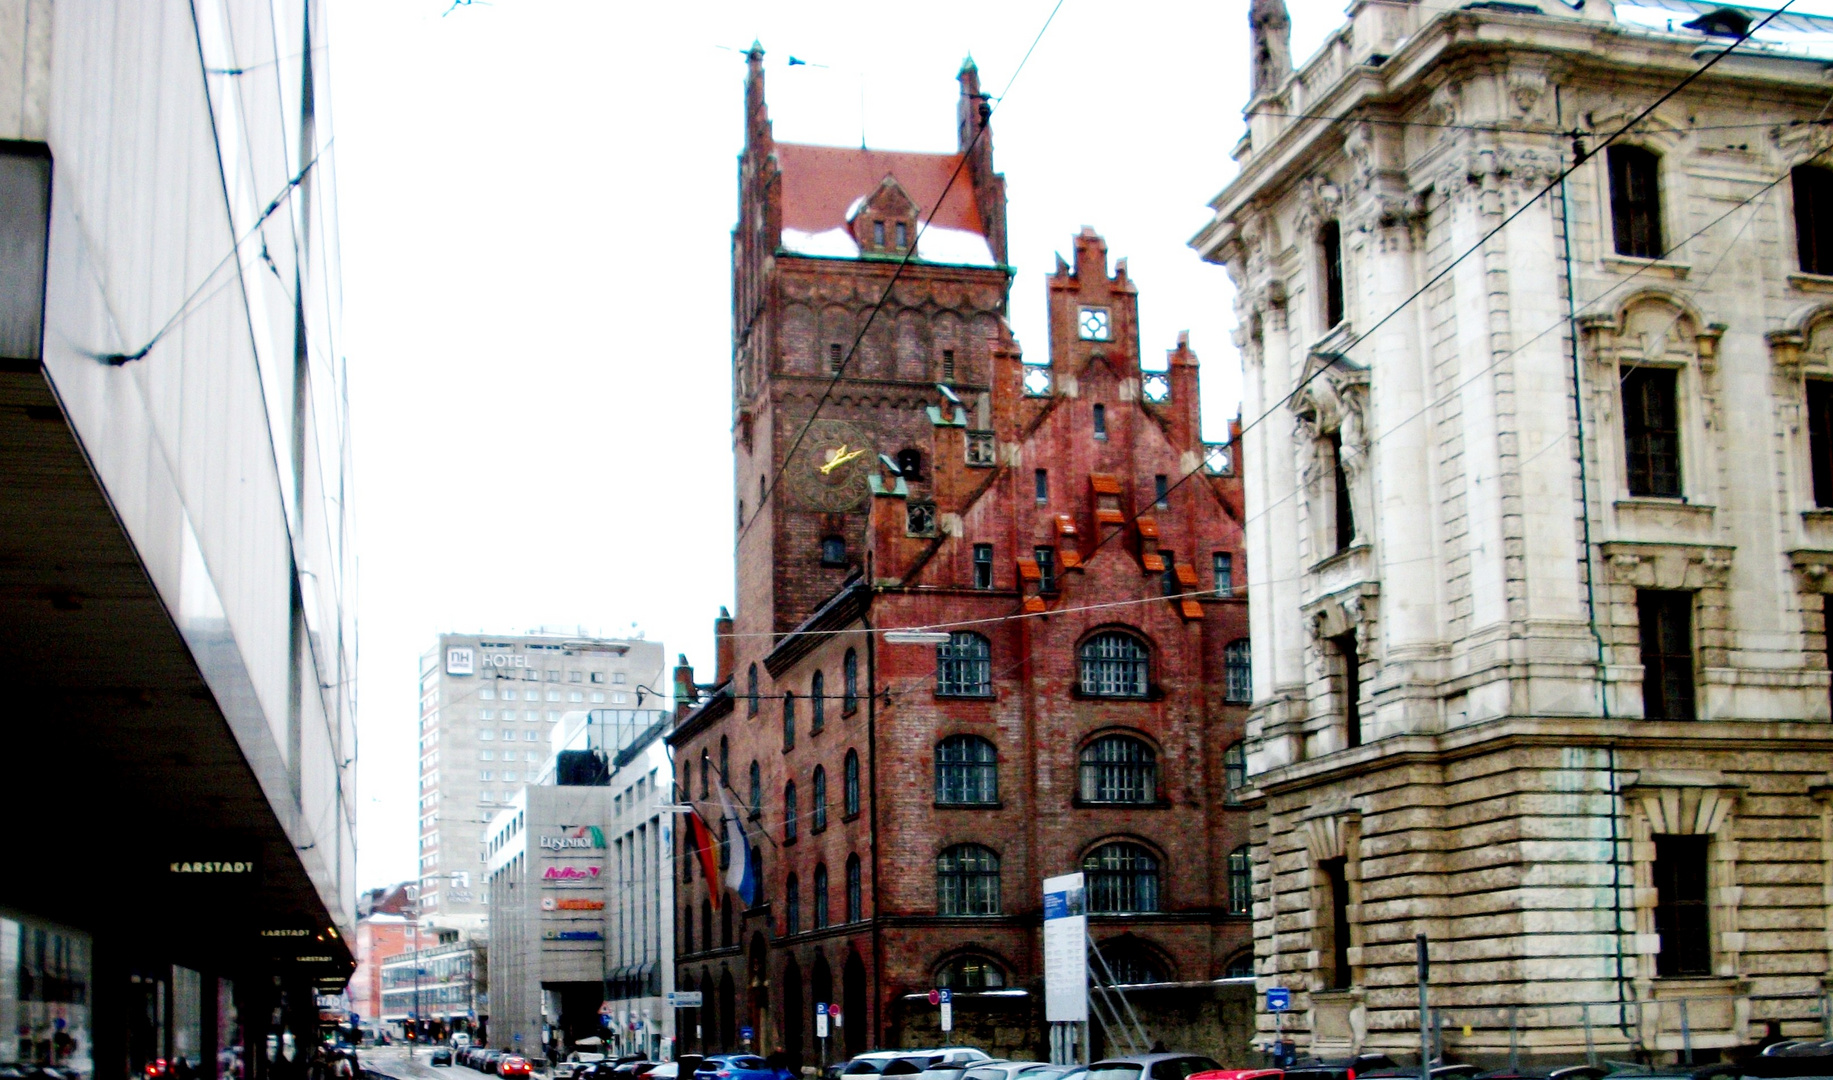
[(830, 470)]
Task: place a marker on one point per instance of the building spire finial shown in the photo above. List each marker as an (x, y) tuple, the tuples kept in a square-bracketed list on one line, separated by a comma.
[(1271, 28)]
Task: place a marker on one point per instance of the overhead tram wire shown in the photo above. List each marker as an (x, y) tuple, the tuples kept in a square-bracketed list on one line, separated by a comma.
[(1359, 338), (986, 119)]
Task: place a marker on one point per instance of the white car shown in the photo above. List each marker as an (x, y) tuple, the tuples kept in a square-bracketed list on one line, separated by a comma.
[(940, 1063), (1004, 1070), (564, 1070)]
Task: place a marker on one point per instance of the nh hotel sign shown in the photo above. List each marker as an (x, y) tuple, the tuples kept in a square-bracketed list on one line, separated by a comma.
[(464, 660)]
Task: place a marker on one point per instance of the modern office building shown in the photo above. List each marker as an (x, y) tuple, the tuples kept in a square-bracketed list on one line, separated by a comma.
[(581, 900), (436, 985), (489, 707), (176, 579), (1541, 516)]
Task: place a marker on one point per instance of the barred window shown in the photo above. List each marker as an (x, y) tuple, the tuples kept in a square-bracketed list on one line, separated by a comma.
[(849, 679), (964, 666), (1240, 881), (1114, 664), (1635, 201), (967, 770), (1122, 878), (1238, 671), (967, 881), (1119, 769), (817, 699), (817, 800), (1132, 963), (820, 897), (789, 811), (971, 973)]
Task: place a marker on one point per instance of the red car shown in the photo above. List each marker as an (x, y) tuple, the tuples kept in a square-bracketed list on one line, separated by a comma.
[(513, 1066)]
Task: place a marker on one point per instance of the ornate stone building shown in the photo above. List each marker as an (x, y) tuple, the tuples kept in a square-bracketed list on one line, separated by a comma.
[(902, 800), (1539, 483)]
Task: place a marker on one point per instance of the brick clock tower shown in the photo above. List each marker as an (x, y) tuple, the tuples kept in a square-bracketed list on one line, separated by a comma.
[(821, 233)]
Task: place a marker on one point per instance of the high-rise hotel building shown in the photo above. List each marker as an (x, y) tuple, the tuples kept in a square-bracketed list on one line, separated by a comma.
[(489, 705)]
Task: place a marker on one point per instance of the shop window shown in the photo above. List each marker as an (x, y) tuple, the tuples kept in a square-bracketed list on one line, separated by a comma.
[(1635, 201), (1666, 618)]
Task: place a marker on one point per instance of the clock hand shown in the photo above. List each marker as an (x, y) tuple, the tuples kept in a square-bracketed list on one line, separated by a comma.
[(841, 457)]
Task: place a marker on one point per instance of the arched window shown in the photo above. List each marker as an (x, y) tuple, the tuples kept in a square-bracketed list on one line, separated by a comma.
[(706, 924), (849, 678), (789, 720), (1238, 670), (706, 770), (820, 896), (850, 780), (751, 692), (1132, 963), (725, 928), (757, 863), (910, 464), (1119, 769), (817, 703), (854, 906), (725, 762), (964, 666), (789, 812), (687, 929), (757, 790), (792, 906), (967, 881), (1114, 664), (1240, 965), (817, 800), (967, 770), (971, 973), (1240, 881), (1122, 878), (1234, 770)]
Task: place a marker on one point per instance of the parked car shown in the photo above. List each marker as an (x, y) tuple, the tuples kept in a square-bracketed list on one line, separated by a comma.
[(1004, 1070), (736, 1067), (1565, 1072), (1339, 1068), (513, 1065), (490, 1060), (442, 1056), (665, 1071), (1239, 1074), (1445, 1071), (1152, 1067), (575, 1063)]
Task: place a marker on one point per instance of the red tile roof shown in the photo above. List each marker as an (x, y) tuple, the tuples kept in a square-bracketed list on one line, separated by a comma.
[(821, 182)]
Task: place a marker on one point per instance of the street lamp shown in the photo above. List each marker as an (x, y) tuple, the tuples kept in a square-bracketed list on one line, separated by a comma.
[(917, 637)]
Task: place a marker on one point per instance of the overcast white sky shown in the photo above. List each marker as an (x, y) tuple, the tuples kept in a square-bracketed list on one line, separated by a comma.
[(536, 201)]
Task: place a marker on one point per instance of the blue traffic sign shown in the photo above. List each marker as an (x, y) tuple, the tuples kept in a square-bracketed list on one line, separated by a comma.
[(745, 1033), (1279, 999), (947, 995), (820, 1008)]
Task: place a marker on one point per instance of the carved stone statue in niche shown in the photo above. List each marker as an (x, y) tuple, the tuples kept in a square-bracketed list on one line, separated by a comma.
[(1272, 33), (1334, 401)]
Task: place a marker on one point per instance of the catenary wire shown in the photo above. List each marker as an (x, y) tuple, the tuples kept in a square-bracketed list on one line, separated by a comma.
[(846, 361)]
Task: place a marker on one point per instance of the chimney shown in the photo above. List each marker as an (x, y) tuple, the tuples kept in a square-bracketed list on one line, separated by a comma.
[(725, 648), (684, 686), (1183, 409)]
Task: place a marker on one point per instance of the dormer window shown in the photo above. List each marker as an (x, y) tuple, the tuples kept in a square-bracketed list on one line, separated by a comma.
[(903, 235), (878, 234)]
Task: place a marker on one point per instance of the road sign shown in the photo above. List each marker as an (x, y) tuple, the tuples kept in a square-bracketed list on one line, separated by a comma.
[(947, 996), (684, 999), (935, 997), (833, 1015), (745, 1033), (948, 1014), (1279, 999), (604, 1008), (820, 1019)]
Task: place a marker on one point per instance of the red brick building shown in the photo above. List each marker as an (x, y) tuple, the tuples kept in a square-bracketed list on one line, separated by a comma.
[(906, 800)]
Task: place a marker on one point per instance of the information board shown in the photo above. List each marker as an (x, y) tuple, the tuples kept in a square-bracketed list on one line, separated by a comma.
[(1065, 950)]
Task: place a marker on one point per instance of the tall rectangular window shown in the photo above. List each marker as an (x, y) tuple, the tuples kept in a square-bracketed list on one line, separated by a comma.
[(1814, 218), (1161, 491), (1040, 480), (948, 365), (1046, 568), (1820, 439), (1667, 653), (1225, 573), (1100, 413), (1330, 250), (1651, 432), (1682, 918), (1352, 688), (1635, 201), (833, 365), (983, 566), (1345, 511), (1167, 578), (1336, 882)]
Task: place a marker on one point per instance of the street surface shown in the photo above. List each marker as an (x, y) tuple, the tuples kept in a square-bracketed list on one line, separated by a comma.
[(393, 1061)]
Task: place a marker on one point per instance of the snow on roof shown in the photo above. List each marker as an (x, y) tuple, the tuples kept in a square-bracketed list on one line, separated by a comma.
[(1790, 32), (937, 244)]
